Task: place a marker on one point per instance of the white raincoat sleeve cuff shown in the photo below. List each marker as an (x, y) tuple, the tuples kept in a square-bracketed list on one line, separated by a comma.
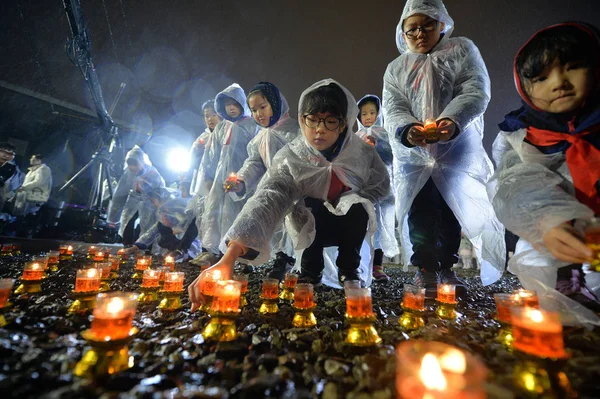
[(396, 109), (528, 197), (471, 89)]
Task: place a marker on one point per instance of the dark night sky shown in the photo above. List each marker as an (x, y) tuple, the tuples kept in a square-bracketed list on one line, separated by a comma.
[(175, 56)]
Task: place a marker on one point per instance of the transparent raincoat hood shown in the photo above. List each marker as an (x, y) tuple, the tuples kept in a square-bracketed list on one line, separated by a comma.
[(379, 121), (236, 93), (451, 81), (139, 155)]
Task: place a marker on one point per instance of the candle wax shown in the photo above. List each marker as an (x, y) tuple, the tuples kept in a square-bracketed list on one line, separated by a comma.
[(303, 299), (270, 291), (359, 306), (412, 301)]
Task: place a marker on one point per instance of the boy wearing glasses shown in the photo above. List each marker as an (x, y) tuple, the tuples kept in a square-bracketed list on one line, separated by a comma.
[(434, 97)]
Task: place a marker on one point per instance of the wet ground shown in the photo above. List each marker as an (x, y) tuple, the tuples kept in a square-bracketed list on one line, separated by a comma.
[(41, 345)]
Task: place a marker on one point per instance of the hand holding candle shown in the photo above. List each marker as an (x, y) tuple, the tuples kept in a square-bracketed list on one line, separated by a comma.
[(232, 183), (195, 290)]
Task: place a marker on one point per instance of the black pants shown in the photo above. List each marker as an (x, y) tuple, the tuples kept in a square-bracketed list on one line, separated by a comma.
[(378, 257), (168, 240), (433, 229), (345, 232)]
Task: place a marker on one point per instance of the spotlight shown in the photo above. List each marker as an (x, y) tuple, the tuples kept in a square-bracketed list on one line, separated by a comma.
[(178, 160)]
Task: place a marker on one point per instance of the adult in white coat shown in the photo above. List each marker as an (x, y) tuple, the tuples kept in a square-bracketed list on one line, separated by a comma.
[(440, 177), (35, 190)]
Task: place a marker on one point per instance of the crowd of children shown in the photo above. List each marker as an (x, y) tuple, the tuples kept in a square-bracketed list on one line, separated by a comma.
[(269, 185)]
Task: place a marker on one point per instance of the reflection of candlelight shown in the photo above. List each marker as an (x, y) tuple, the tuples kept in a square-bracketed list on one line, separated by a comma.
[(528, 298), (150, 278), (173, 282), (270, 288), (113, 315), (87, 280), (209, 283), (226, 296), (143, 262), (169, 262), (358, 302), (436, 370), (33, 271), (414, 298), (6, 285), (446, 293), (538, 332), (304, 296)]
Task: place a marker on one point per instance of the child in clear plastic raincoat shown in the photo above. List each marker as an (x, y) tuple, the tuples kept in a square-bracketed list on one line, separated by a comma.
[(211, 119), (226, 155), (130, 196), (548, 157), (434, 97), (370, 129), (270, 111), (324, 183)]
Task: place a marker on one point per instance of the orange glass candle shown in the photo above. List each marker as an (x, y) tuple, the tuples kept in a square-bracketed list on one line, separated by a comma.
[(115, 262), (42, 260), (104, 268), (98, 256), (7, 249), (243, 279), (53, 257), (173, 282), (169, 262), (433, 370), (528, 298), (87, 280), (232, 177), (430, 126), (227, 296), (122, 254), (446, 293), (151, 278), (351, 285), (538, 332), (304, 296), (504, 305), (143, 262), (414, 298), (92, 251), (113, 315), (210, 282), (162, 271), (290, 281), (359, 303), (270, 288), (65, 250), (6, 285), (33, 271)]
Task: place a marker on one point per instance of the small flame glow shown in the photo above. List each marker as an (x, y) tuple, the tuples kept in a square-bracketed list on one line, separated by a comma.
[(454, 360), (115, 305), (431, 373), (91, 273), (536, 316)]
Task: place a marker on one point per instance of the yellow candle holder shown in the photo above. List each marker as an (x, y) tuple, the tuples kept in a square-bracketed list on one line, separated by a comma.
[(506, 336), (149, 294), (304, 317), (411, 319), (29, 287), (207, 304), (105, 358), (65, 253), (84, 302), (104, 285), (171, 301), (541, 377), (243, 300), (446, 311), (221, 327), (269, 306), (3, 321), (361, 331), (286, 294)]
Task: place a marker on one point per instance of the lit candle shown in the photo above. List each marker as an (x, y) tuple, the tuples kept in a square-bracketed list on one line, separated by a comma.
[(434, 370), (92, 251), (528, 298), (115, 262), (7, 249), (33, 271), (87, 280), (226, 296), (70, 250), (358, 302), (230, 181), (42, 260), (504, 304), (270, 288), (414, 298), (351, 285), (538, 332), (201, 141), (99, 256), (113, 315), (122, 254), (6, 285), (63, 249), (143, 262), (162, 271), (304, 296), (169, 262), (446, 293), (243, 279), (430, 126), (105, 269), (173, 282), (290, 281), (592, 240), (53, 257), (150, 278), (209, 282)]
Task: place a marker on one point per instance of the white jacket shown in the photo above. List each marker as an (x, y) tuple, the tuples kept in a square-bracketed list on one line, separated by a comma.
[(38, 178)]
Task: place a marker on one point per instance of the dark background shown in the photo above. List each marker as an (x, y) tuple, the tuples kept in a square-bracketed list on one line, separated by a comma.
[(173, 55)]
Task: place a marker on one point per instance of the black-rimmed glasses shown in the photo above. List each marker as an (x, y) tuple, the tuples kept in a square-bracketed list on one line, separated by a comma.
[(330, 123), (414, 32)]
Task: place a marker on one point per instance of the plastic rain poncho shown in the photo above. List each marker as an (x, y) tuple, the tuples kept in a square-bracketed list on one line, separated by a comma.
[(197, 153), (451, 81), (385, 236), (130, 196), (230, 141), (38, 178), (533, 192), (299, 171)]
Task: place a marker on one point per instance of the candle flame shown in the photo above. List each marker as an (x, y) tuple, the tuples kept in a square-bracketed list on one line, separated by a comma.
[(70, 248), (115, 305), (153, 273), (431, 373), (232, 175), (536, 316), (100, 254), (92, 273), (454, 360), (216, 274), (446, 289), (36, 266), (169, 259)]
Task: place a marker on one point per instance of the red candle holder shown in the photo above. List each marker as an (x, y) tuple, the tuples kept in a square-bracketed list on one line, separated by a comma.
[(224, 309), (150, 286), (98, 256), (113, 315), (446, 302), (207, 287), (428, 369), (289, 283), (304, 304), (6, 285), (10, 250), (142, 263), (92, 251), (173, 282), (359, 303), (243, 279), (115, 264), (42, 260), (413, 306), (528, 298), (169, 262), (123, 256), (88, 280), (172, 290), (53, 259), (65, 252), (270, 294), (360, 316), (231, 181), (226, 298), (538, 332)]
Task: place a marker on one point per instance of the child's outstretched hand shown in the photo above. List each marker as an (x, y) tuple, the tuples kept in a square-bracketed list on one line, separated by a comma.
[(416, 136), (370, 140), (225, 265), (566, 244), (446, 129)]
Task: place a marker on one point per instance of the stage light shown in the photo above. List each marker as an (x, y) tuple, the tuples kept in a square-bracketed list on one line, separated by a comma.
[(178, 160)]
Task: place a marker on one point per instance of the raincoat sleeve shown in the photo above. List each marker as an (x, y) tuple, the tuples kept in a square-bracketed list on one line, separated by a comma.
[(529, 197), (150, 236), (378, 185), (264, 212), (117, 203), (471, 91), (253, 168), (397, 108), (42, 178)]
